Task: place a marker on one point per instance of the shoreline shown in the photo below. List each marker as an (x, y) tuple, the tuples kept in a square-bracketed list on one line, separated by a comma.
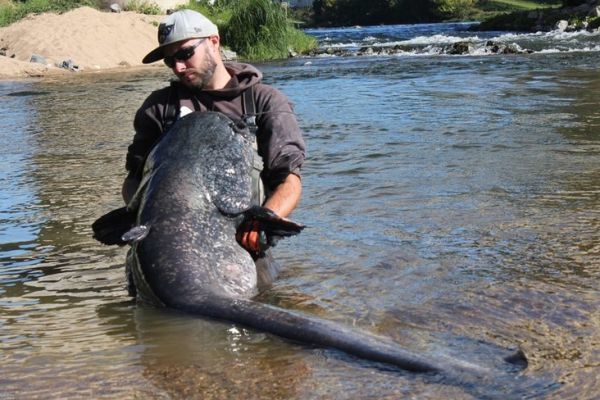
[(22, 71), (96, 42)]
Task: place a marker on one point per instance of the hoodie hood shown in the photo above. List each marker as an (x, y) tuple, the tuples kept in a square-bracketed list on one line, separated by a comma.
[(242, 77)]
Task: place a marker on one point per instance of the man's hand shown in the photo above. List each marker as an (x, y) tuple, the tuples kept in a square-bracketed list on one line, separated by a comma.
[(282, 202), (248, 236)]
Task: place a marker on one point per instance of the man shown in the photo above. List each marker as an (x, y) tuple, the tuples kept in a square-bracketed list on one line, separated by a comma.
[(189, 44)]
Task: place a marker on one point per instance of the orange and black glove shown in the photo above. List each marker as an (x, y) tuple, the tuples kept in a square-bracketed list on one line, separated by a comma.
[(251, 238)]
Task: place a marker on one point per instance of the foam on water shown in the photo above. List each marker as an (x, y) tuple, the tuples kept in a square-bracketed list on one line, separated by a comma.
[(435, 40)]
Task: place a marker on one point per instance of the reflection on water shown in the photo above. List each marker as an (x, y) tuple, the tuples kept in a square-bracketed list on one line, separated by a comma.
[(452, 205)]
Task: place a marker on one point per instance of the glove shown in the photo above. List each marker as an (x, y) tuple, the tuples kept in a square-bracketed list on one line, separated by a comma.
[(251, 238)]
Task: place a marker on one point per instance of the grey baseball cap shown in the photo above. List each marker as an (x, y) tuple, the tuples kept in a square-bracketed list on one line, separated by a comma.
[(180, 25)]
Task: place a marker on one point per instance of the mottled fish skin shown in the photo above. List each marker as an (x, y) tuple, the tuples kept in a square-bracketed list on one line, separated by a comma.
[(195, 176)]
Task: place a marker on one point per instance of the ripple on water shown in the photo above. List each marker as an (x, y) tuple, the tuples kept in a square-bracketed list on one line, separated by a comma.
[(451, 204)]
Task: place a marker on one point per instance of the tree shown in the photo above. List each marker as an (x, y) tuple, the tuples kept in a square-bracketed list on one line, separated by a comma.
[(360, 12)]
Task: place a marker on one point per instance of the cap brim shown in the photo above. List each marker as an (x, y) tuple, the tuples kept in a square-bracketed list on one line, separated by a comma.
[(154, 55), (157, 53)]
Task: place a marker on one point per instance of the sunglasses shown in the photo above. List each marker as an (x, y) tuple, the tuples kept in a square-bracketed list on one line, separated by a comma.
[(183, 54)]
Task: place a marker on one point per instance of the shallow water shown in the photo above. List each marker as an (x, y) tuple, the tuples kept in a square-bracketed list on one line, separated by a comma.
[(452, 204)]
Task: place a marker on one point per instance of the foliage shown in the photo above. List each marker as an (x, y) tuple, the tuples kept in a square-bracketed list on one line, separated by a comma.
[(260, 30), (517, 21), (504, 11), (524, 20), (523, 4), (219, 13), (143, 7), (359, 12), (301, 15), (14, 11), (455, 9)]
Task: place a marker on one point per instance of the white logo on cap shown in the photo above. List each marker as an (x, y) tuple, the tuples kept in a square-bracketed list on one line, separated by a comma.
[(164, 31)]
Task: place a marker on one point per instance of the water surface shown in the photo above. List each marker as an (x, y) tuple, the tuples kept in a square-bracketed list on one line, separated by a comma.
[(452, 204)]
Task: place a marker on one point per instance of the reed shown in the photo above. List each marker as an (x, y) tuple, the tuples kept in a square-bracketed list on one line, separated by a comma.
[(260, 30)]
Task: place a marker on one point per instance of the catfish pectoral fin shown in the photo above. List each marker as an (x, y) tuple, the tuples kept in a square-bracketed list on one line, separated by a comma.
[(109, 228), (271, 223), (136, 234)]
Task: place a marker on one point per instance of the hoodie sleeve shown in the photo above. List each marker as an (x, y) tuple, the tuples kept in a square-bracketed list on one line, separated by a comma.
[(280, 141)]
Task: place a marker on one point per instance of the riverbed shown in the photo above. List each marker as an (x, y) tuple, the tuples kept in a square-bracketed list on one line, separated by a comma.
[(452, 204)]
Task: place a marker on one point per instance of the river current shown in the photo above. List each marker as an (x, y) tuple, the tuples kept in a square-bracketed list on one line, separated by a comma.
[(452, 204)]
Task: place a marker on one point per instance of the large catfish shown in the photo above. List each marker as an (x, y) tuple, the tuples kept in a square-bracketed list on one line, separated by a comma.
[(195, 191)]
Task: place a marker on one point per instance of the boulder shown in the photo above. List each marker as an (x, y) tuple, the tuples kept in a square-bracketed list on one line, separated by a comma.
[(562, 25), (459, 48), (36, 58), (68, 64)]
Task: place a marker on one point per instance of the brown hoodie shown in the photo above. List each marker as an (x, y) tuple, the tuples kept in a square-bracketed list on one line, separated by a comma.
[(279, 138)]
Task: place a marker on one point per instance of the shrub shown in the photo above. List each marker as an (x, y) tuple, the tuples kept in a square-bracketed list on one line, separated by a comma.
[(260, 30), (458, 9), (594, 23), (143, 7)]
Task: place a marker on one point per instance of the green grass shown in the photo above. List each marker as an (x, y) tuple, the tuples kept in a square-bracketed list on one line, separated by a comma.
[(256, 29), (504, 10), (143, 7), (220, 16), (11, 12), (525, 5)]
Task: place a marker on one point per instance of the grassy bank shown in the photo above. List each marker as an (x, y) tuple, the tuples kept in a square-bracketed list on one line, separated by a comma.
[(497, 8), (534, 16), (13, 11), (254, 29), (257, 29), (524, 5)]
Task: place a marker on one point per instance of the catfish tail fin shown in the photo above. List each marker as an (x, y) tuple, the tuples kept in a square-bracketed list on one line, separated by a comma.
[(310, 330)]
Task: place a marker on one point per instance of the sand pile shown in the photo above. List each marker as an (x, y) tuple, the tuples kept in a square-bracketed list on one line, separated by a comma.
[(92, 39)]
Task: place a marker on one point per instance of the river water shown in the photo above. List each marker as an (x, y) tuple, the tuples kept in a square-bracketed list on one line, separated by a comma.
[(452, 204)]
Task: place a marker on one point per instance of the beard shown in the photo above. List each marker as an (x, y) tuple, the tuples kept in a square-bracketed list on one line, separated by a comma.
[(197, 78)]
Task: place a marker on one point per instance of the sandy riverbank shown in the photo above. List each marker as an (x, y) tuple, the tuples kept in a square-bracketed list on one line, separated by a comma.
[(93, 40)]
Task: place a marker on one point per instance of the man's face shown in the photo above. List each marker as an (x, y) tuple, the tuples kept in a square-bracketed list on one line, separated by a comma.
[(192, 61)]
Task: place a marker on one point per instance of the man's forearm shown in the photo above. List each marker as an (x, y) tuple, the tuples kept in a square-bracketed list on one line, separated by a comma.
[(286, 196)]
